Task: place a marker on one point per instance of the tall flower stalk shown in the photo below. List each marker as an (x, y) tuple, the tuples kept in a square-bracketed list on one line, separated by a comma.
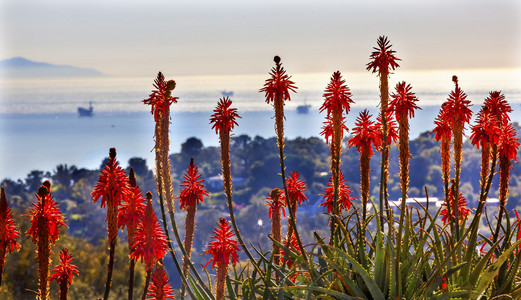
[(296, 197), (485, 133), (64, 272), (8, 232), (458, 110), (276, 205), (130, 214), (112, 188), (160, 288), (366, 135), (276, 90), (191, 195), (160, 100), (509, 145), (46, 219), (443, 133), (453, 211), (150, 242), (337, 100), (223, 248), (344, 200), (402, 106), (382, 61)]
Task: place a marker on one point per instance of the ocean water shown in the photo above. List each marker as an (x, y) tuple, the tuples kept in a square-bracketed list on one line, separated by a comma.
[(40, 128)]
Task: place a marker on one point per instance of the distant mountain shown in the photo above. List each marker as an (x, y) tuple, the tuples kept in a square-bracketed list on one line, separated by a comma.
[(21, 67)]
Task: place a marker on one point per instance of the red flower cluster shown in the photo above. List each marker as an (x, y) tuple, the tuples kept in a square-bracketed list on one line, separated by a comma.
[(160, 288), (457, 106), (224, 116), (383, 57), (486, 129), (193, 188), (150, 243), (223, 248), (443, 127), (365, 133), (161, 97), (392, 129), (276, 204), (64, 272), (279, 84), (293, 246), (337, 97), (403, 101), (498, 106), (463, 210), (112, 183), (8, 231), (343, 196), (509, 143), (132, 208), (328, 128), (295, 189), (45, 217)]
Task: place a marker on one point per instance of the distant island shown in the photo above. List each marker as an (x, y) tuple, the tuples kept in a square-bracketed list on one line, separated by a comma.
[(19, 67)]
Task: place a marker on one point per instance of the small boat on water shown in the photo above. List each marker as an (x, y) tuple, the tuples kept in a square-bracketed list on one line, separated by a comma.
[(227, 93), (86, 112), (303, 109)]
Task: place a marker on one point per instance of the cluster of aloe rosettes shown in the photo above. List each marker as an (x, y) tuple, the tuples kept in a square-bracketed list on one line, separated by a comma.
[(387, 252), (374, 250)]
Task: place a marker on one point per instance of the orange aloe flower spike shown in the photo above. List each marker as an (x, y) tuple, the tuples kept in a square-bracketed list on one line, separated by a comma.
[(112, 183), (150, 243), (486, 129), (403, 101), (463, 210), (8, 232), (45, 217), (296, 188), (498, 106), (343, 197), (132, 208), (392, 129), (443, 128), (64, 272), (160, 288), (279, 84), (275, 203), (223, 247), (327, 129), (365, 133), (224, 116), (383, 57), (193, 188), (337, 96), (157, 98)]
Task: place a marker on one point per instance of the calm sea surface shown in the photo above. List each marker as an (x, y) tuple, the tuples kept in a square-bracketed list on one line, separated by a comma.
[(40, 128)]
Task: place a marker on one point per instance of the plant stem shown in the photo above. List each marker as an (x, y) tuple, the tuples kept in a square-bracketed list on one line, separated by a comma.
[(131, 279), (147, 282), (108, 283)]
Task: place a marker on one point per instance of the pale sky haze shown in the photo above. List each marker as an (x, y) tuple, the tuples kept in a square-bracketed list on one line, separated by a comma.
[(199, 37)]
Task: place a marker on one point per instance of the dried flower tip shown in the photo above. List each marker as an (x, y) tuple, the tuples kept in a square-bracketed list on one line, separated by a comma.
[(47, 184), (170, 85), (148, 195), (275, 193), (276, 59), (42, 191), (132, 178), (455, 79), (112, 153)]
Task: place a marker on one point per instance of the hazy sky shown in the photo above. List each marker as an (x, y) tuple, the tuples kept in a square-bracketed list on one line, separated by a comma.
[(240, 37)]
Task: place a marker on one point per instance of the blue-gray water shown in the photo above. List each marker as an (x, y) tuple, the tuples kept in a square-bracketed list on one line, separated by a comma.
[(39, 127)]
